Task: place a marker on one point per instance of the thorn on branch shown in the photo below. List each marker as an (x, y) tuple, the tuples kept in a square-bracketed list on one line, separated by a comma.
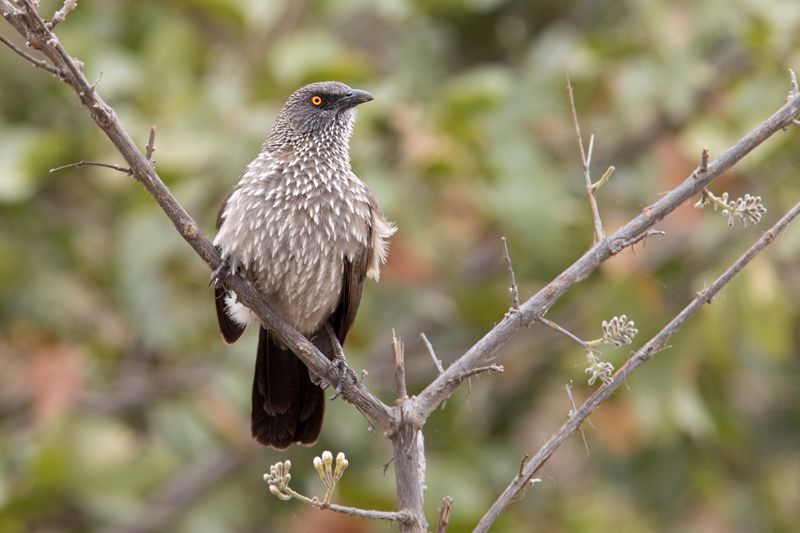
[(513, 290), (96, 82), (572, 413), (112, 166), (437, 363), (794, 92), (522, 465), (704, 161), (151, 146)]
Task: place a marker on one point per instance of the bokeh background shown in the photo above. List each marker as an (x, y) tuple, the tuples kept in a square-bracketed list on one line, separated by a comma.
[(122, 410)]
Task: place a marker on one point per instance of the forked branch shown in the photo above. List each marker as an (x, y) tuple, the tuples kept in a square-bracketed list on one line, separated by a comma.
[(653, 346)]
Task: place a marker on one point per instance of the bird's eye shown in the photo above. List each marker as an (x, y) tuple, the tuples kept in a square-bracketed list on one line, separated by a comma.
[(316, 100)]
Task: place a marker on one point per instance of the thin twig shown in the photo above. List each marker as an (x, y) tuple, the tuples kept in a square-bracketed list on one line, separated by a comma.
[(40, 63), (487, 347), (513, 290), (444, 514), (647, 351), (549, 323), (61, 14), (392, 516), (586, 161), (575, 408), (617, 245), (604, 178), (399, 367), (432, 353), (112, 166), (475, 371)]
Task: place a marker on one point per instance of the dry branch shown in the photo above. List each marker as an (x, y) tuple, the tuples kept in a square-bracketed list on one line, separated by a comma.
[(632, 232), (404, 421), (647, 351), (34, 29)]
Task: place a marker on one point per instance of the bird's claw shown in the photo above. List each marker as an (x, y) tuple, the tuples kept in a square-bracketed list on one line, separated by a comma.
[(338, 361), (217, 274)]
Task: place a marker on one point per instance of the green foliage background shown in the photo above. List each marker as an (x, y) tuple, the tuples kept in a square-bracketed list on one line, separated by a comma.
[(115, 385)]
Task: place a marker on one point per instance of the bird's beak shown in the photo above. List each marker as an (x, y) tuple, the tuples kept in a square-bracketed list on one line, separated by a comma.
[(353, 98)]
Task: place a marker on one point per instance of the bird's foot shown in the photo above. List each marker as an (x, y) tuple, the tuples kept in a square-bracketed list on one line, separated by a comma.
[(339, 361), (217, 274)]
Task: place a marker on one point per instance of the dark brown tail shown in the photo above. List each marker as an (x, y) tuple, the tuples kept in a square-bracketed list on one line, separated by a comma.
[(287, 406)]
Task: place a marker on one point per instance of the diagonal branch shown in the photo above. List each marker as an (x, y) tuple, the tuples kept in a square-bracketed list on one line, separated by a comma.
[(40, 63), (486, 348), (33, 28), (647, 351)]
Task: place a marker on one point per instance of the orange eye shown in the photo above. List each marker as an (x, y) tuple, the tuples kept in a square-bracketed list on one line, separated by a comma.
[(316, 100)]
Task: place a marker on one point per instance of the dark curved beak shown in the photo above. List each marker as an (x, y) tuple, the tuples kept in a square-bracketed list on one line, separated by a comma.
[(353, 98)]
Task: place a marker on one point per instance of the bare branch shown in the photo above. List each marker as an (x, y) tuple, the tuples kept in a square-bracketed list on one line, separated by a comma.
[(444, 514), (40, 63), (631, 233), (586, 160), (432, 353), (30, 25), (652, 347), (82, 163), (513, 288)]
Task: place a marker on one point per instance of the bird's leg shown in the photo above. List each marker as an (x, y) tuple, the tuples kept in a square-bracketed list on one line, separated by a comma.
[(338, 357)]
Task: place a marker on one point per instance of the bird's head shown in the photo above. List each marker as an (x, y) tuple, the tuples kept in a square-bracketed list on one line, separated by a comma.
[(320, 109)]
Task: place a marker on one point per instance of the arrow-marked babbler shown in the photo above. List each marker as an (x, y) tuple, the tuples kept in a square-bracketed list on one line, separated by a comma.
[(306, 232)]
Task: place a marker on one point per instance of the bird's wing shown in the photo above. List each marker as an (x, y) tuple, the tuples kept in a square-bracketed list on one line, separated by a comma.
[(355, 271), (231, 331)]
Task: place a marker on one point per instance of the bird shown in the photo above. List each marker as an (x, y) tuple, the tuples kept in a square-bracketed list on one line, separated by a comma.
[(306, 231)]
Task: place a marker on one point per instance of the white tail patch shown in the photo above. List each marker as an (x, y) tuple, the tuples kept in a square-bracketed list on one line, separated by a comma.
[(238, 312)]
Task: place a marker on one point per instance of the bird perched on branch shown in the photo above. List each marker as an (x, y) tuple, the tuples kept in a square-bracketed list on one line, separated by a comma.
[(306, 231)]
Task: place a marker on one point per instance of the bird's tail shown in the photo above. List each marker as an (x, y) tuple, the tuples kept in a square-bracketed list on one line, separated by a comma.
[(287, 406)]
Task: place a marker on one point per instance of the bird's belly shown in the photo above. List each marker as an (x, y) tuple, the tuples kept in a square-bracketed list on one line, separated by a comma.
[(304, 288)]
